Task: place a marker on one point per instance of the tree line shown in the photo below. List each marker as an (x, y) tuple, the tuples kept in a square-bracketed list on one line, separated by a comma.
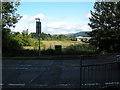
[(49, 37), (26, 39)]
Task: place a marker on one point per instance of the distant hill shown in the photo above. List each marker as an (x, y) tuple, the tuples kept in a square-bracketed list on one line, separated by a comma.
[(79, 33)]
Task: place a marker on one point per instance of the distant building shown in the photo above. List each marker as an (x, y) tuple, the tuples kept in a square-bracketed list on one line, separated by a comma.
[(83, 39)]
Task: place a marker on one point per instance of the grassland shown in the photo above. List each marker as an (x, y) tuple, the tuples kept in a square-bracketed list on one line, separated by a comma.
[(68, 48), (51, 44)]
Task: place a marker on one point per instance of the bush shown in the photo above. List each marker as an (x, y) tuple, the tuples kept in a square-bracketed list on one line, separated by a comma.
[(47, 52)]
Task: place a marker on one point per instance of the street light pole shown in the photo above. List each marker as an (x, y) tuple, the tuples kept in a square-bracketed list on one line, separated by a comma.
[(38, 30)]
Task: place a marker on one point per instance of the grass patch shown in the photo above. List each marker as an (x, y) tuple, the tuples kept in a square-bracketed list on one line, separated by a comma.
[(80, 49), (51, 44), (48, 48)]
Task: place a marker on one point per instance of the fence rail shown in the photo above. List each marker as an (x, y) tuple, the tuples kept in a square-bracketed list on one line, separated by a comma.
[(100, 75)]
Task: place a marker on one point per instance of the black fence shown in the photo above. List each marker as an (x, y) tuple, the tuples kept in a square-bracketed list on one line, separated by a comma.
[(101, 75)]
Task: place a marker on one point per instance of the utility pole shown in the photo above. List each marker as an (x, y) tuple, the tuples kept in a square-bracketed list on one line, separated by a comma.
[(38, 31)]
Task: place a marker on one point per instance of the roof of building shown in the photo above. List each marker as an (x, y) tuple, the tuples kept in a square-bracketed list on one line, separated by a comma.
[(83, 37)]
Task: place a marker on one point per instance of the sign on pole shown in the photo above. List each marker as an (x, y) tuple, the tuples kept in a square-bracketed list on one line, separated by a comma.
[(38, 27), (38, 31)]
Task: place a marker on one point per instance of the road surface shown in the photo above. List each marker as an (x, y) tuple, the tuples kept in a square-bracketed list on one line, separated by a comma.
[(59, 74)]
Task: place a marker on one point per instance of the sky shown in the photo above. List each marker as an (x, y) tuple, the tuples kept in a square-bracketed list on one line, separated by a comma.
[(56, 17)]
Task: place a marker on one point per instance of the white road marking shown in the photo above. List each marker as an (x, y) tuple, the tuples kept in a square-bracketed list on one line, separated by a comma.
[(16, 84)]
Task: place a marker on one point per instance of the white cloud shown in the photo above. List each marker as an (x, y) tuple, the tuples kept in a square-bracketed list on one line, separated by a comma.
[(65, 28), (26, 19), (88, 15), (42, 17), (59, 28), (56, 28), (84, 27), (28, 22), (57, 25), (30, 19), (30, 27)]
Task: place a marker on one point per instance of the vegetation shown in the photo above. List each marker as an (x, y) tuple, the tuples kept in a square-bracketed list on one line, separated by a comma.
[(49, 37), (13, 42), (51, 44), (105, 23), (9, 19), (79, 49), (29, 44), (24, 39)]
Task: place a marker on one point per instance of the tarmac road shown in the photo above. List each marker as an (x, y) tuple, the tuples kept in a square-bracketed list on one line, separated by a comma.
[(59, 74)]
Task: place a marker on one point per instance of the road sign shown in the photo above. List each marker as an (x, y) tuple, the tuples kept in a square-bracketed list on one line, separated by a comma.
[(38, 27)]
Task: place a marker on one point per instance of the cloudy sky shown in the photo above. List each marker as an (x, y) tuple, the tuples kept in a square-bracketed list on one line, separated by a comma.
[(56, 17)]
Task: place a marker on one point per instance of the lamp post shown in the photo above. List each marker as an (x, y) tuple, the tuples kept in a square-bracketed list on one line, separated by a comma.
[(38, 30)]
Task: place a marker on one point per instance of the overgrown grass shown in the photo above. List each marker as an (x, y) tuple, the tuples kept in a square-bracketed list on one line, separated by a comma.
[(51, 44), (68, 48), (76, 49), (79, 49)]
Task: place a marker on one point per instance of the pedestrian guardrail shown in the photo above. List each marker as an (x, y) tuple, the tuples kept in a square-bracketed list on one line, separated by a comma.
[(95, 76)]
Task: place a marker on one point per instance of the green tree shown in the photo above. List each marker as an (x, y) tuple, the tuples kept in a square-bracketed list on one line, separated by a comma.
[(33, 35), (105, 24), (26, 38), (62, 37), (18, 37), (9, 19)]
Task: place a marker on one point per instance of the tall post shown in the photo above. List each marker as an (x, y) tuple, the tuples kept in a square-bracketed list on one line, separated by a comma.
[(39, 43), (38, 31)]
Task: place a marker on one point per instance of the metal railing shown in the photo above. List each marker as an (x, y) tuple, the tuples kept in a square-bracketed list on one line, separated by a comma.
[(102, 75)]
